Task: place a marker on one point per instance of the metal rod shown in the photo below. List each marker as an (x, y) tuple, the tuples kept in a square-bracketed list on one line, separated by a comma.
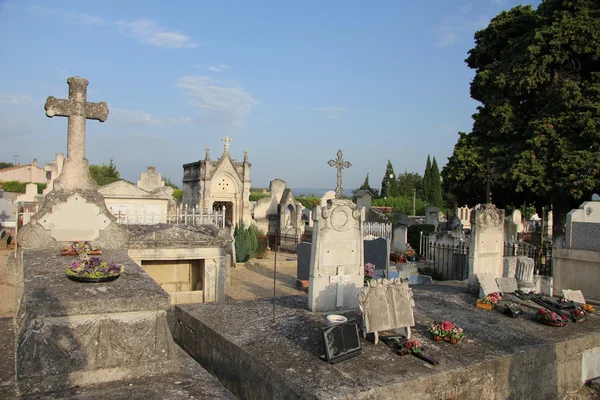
[(275, 273)]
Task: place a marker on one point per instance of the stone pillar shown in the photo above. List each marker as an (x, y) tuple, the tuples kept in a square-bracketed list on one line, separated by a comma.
[(524, 274), (336, 261), (486, 243)]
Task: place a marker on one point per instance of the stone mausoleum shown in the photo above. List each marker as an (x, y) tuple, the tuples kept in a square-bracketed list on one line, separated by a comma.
[(220, 183)]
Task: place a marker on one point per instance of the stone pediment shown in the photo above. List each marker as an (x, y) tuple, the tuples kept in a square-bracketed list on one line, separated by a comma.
[(125, 189), (167, 235), (227, 165)]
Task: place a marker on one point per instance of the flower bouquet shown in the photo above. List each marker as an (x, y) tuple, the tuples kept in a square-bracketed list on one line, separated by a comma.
[(551, 318), (93, 269), (447, 331), (588, 308), (578, 315), (369, 272), (414, 347), (83, 247), (489, 301)]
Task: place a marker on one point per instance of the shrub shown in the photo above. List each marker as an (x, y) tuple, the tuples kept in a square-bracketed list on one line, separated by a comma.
[(245, 243), (414, 234), (19, 187)]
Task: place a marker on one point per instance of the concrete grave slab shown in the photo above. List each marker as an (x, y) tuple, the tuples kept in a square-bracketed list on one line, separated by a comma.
[(575, 295), (507, 285)]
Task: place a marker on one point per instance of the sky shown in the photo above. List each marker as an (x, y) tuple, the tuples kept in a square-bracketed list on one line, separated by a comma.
[(290, 81)]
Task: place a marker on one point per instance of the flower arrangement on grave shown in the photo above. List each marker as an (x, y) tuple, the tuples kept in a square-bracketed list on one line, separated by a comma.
[(93, 268), (81, 247), (413, 346), (588, 308), (447, 331), (511, 309), (409, 255), (489, 301), (578, 315), (551, 318), (369, 272)]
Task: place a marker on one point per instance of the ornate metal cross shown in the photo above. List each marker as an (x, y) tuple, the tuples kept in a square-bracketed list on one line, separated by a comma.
[(488, 177), (226, 139), (77, 109), (340, 164)]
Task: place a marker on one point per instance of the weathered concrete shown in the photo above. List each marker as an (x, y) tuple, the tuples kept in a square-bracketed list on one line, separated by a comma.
[(500, 358), (577, 269), (76, 333)]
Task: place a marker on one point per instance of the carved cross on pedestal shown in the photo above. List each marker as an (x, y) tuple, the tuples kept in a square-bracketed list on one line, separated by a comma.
[(77, 109), (488, 177), (340, 164), (226, 139)]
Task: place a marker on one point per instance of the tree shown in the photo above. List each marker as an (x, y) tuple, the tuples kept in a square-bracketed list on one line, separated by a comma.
[(367, 186), (389, 184), (427, 182), (436, 185), (6, 165), (105, 174), (538, 80), (170, 184), (408, 181)]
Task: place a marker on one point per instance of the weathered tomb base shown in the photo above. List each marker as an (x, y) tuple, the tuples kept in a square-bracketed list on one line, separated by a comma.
[(70, 333), (500, 357)]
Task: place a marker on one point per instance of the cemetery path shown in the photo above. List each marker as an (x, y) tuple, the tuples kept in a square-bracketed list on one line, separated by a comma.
[(254, 279)]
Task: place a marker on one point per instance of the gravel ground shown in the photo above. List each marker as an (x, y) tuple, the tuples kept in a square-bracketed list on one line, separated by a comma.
[(254, 279)]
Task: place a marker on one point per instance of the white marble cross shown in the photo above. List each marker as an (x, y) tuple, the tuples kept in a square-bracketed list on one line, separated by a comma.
[(77, 109), (226, 139), (341, 280)]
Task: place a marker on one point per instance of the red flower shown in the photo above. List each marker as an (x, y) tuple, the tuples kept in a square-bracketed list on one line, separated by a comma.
[(447, 325), (409, 344)]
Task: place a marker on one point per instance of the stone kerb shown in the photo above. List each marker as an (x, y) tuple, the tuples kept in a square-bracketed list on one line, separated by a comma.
[(337, 253), (486, 243)]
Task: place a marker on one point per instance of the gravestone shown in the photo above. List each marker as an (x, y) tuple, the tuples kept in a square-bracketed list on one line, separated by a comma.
[(73, 210), (400, 241), (524, 274), (583, 227), (507, 285), (341, 342), (150, 180), (303, 264), (509, 266), (487, 284), (486, 243), (8, 216), (386, 305), (336, 259), (377, 252), (575, 295)]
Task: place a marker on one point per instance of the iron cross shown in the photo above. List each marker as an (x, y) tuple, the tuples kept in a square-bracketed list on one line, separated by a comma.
[(488, 177), (77, 109), (340, 164)]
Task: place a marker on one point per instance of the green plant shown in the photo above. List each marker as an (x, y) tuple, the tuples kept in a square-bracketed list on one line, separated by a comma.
[(93, 267), (257, 196), (261, 241), (414, 234), (245, 243)]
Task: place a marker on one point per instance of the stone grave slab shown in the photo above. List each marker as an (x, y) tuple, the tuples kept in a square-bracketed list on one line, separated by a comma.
[(303, 265), (487, 284), (377, 252), (509, 266), (507, 285), (386, 305), (574, 295)]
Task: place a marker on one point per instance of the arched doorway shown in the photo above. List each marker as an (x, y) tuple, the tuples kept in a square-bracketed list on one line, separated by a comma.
[(218, 206)]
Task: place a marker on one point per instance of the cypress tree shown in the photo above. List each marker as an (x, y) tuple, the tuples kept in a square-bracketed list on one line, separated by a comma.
[(389, 184), (436, 185), (427, 182)]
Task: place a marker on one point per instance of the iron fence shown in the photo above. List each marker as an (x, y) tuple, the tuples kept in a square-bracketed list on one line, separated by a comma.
[(447, 262)]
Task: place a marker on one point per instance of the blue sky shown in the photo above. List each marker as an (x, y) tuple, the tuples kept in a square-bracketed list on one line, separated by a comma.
[(292, 82)]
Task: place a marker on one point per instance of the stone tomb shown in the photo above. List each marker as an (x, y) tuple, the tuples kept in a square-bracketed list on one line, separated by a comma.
[(267, 357), (386, 305), (336, 259), (486, 243)]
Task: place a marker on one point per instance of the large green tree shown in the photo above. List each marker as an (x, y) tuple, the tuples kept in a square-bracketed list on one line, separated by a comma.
[(427, 182), (6, 165), (408, 181), (367, 186), (538, 127), (105, 174), (389, 183)]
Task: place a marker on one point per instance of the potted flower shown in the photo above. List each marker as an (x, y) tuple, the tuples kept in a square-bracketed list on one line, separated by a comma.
[(551, 318), (409, 255), (588, 308), (511, 309), (93, 269), (578, 315), (80, 247), (369, 272), (489, 301), (447, 331)]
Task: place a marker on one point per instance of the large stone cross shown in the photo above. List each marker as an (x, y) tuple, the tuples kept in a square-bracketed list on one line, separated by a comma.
[(226, 139), (340, 164), (77, 109)]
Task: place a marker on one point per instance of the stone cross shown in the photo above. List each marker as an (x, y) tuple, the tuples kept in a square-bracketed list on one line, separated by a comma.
[(341, 280), (340, 164), (207, 153), (77, 109), (226, 139), (245, 155)]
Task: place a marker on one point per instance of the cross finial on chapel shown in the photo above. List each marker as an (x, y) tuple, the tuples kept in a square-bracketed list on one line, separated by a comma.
[(226, 139)]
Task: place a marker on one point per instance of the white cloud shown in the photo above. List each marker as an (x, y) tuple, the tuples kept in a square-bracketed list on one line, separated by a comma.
[(15, 100), (219, 68), (453, 27), (220, 103), (149, 32), (140, 117)]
